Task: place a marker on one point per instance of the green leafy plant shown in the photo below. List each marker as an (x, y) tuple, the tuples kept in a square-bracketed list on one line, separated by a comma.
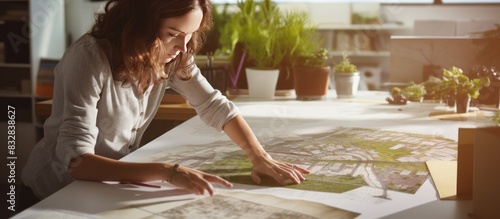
[(455, 82), (496, 117), (414, 92), (257, 25), (298, 38), (316, 59), (359, 18), (433, 88), (345, 66), (235, 24), (489, 54), (262, 47), (271, 38), (229, 28)]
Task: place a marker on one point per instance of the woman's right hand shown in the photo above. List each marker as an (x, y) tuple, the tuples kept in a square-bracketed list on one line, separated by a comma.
[(194, 181)]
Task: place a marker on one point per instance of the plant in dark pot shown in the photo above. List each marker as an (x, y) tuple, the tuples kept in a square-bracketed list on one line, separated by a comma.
[(247, 26), (298, 37), (489, 96), (347, 77), (456, 83), (488, 64), (259, 34), (311, 75)]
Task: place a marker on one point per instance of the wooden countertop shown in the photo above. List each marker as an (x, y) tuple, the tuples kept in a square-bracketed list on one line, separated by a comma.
[(171, 111)]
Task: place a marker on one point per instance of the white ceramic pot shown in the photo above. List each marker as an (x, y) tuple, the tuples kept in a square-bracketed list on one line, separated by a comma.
[(262, 83), (346, 84)]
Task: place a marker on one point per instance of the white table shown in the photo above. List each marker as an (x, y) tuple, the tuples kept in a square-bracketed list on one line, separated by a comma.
[(368, 110)]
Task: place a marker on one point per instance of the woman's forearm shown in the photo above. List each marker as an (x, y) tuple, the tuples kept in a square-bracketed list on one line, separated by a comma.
[(240, 133), (98, 168)]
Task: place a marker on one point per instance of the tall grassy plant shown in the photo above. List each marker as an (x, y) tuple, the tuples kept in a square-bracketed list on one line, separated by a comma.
[(262, 47), (298, 37), (229, 30), (263, 22), (270, 37)]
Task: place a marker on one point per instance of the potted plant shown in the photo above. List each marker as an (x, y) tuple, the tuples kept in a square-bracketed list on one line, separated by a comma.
[(433, 89), (250, 37), (298, 37), (261, 46), (260, 36), (248, 16), (311, 75), (456, 83), (414, 92), (488, 62), (346, 77)]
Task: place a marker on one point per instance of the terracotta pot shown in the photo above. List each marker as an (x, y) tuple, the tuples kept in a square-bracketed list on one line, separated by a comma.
[(311, 83)]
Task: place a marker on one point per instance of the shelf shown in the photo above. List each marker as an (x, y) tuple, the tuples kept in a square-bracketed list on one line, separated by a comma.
[(15, 65), (201, 60), (16, 82), (15, 95), (23, 108), (362, 27), (362, 53), (367, 44)]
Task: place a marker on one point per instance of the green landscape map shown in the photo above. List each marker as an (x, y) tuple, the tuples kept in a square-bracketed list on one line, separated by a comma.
[(340, 160)]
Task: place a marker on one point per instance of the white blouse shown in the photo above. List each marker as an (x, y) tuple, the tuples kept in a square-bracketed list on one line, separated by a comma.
[(92, 113)]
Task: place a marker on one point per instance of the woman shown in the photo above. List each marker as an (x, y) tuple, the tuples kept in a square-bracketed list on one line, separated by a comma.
[(108, 86)]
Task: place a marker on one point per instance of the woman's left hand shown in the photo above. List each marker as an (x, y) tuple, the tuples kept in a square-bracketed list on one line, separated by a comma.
[(263, 164), (279, 171)]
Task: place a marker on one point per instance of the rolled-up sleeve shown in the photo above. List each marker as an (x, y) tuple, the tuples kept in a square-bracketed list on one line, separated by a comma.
[(213, 108), (79, 81)]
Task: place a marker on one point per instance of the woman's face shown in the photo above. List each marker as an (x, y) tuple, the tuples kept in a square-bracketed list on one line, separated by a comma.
[(176, 32)]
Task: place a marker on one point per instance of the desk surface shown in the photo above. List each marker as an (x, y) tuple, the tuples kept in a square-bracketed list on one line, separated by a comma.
[(275, 119)]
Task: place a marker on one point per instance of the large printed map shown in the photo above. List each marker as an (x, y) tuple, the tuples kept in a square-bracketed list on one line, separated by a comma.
[(229, 205), (340, 159)]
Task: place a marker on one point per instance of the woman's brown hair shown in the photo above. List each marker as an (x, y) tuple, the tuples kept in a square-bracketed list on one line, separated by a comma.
[(131, 26)]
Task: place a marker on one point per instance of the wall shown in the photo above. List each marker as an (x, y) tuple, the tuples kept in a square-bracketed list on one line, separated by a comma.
[(46, 24), (409, 13), (410, 54), (80, 17), (47, 32), (80, 14)]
